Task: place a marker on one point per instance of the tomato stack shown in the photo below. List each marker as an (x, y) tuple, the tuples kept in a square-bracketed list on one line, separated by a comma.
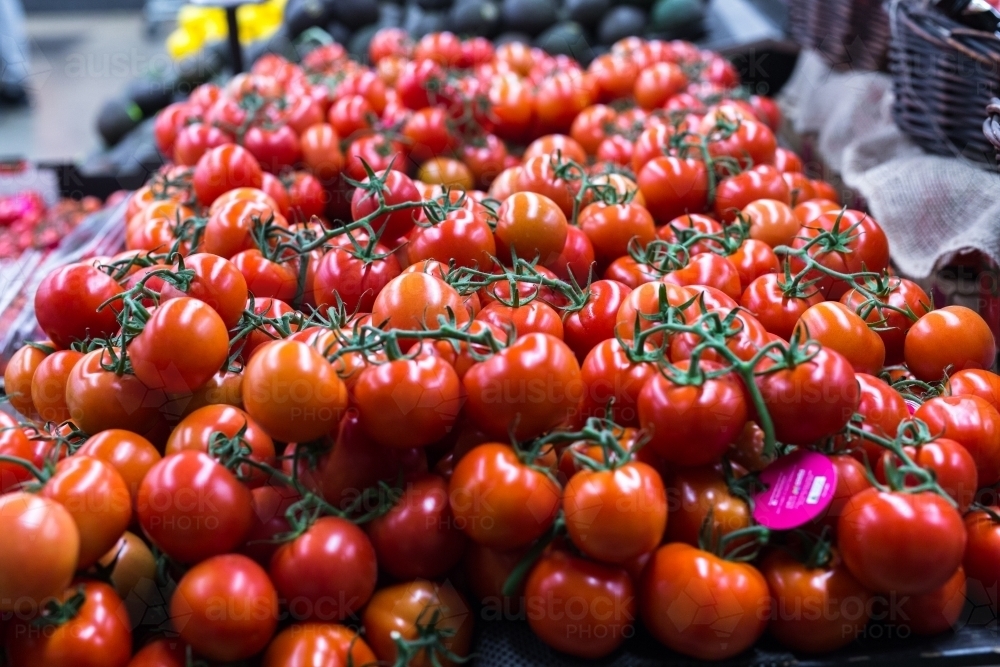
[(479, 333)]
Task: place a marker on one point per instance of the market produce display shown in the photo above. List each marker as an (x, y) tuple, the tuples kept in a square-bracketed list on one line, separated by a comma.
[(475, 332)]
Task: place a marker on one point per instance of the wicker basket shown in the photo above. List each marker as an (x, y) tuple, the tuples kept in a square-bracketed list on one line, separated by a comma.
[(850, 34), (944, 75)]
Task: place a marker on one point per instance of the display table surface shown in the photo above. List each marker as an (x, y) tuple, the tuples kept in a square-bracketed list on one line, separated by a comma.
[(931, 207)]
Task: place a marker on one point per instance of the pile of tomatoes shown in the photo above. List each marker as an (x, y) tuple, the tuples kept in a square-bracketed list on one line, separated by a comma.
[(475, 333)]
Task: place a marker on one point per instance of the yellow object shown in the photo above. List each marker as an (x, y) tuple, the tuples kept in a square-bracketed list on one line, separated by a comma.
[(197, 26)]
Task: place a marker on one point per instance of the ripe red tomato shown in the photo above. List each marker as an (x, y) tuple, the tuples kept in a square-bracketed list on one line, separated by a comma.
[(836, 327), (67, 300), (245, 622), (48, 385), (41, 557), (982, 555), (735, 592), (611, 228), (694, 492), (950, 339), (532, 226), (98, 634), (953, 467), (797, 588), (397, 188), (766, 298), (673, 186), (131, 455), (528, 388), (973, 423), (99, 399), (892, 325), (463, 237), (883, 410), (223, 168), (878, 529), (976, 382), (616, 515), (193, 508), (17, 378), (499, 501), (733, 194), (400, 611), (308, 644), (609, 374), (579, 607), (327, 573), (217, 282)]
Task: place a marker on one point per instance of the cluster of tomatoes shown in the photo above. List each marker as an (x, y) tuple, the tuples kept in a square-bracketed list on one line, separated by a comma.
[(478, 329)]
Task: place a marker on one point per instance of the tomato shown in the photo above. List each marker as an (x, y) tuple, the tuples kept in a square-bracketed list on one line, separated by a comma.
[(814, 609), (351, 115), (223, 168), (533, 317), (861, 245), (446, 172), (396, 189), (133, 565), (950, 339), (614, 75), (419, 537), (579, 607), (98, 500), (249, 615), (527, 388), (711, 270), (17, 377), (772, 222), (753, 259), (657, 83), (499, 501), (310, 644), (67, 301), (616, 515), (823, 387), (417, 301), (836, 327), (97, 635), (192, 508), (463, 237), (611, 228), (608, 374), (217, 282), (937, 611), (951, 463), (272, 309), (976, 382), (266, 278), (733, 194), (160, 653), (327, 573), (203, 429), (41, 556), (341, 273), (161, 356), (692, 424), (642, 309), (588, 128), (883, 410), (99, 400), (587, 327), (292, 391), (892, 325), (878, 529), (973, 423), (400, 610), (694, 492), (194, 140), (48, 385), (751, 143), (731, 609), (14, 442), (532, 226), (673, 186), (378, 151), (321, 151), (229, 229), (275, 149), (982, 556)]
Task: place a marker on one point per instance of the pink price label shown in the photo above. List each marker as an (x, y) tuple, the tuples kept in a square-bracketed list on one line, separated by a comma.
[(799, 487), (911, 405)]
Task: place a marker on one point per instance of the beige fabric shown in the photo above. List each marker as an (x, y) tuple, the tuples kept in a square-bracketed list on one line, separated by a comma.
[(929, 206)]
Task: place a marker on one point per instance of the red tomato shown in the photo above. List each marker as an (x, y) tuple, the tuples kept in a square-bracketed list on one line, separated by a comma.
[(891, 325), (48, 385), (731, 613), (836, 327), (309, 644), (499, 501), (883, 409), (396, 189), (244, 624), (99, 399), (733, 194), (937, 611), (673, 186), (982, 555), (951, 339), (17, 378), (327, 573), (67, 300), (694, 492), (609, 374), (976, 382), (951, 463), (223, 168), (587, 327), (532, 226), (217, 282), (878, 529), (193, 508), (971, 421), (579, 607), (611, 228)]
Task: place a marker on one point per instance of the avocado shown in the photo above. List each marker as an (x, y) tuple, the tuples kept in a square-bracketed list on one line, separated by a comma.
[(567, 38), (529, 16), (474, 17), (620, 22)]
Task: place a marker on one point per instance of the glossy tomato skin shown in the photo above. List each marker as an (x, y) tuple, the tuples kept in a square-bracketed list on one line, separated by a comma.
[(418, 537), (17, 378), (326, 573), (691, 425), (340, 273), (67, 300), (876, 533), (161, 355), (531, 386), (952, 465), (14, 442), (837, 327), (309, 644), (952, 338), (892, 325), (767, 300), (293, 392), (415, 301), (250, 615), (160, 653), (733, 590), (937, 611), (193, 508), (611, 377), (41, 557), (587, 327), (400, 608), (982, 556), (98, 635), (48, 385), (616, 515), (198, 429), (883, 409), (852, 479), (694, 492), (973, 423), (589, 596), (99, 400), (984, 384), (823, 387), (673, 186), (530, 225), (217, 282), (397, 189), (813, 609), (96, 496), (408, 402), (500, 502), (224, 168)]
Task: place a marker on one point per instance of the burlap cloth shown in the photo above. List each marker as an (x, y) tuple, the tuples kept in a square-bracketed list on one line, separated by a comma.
[(929, 206)]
